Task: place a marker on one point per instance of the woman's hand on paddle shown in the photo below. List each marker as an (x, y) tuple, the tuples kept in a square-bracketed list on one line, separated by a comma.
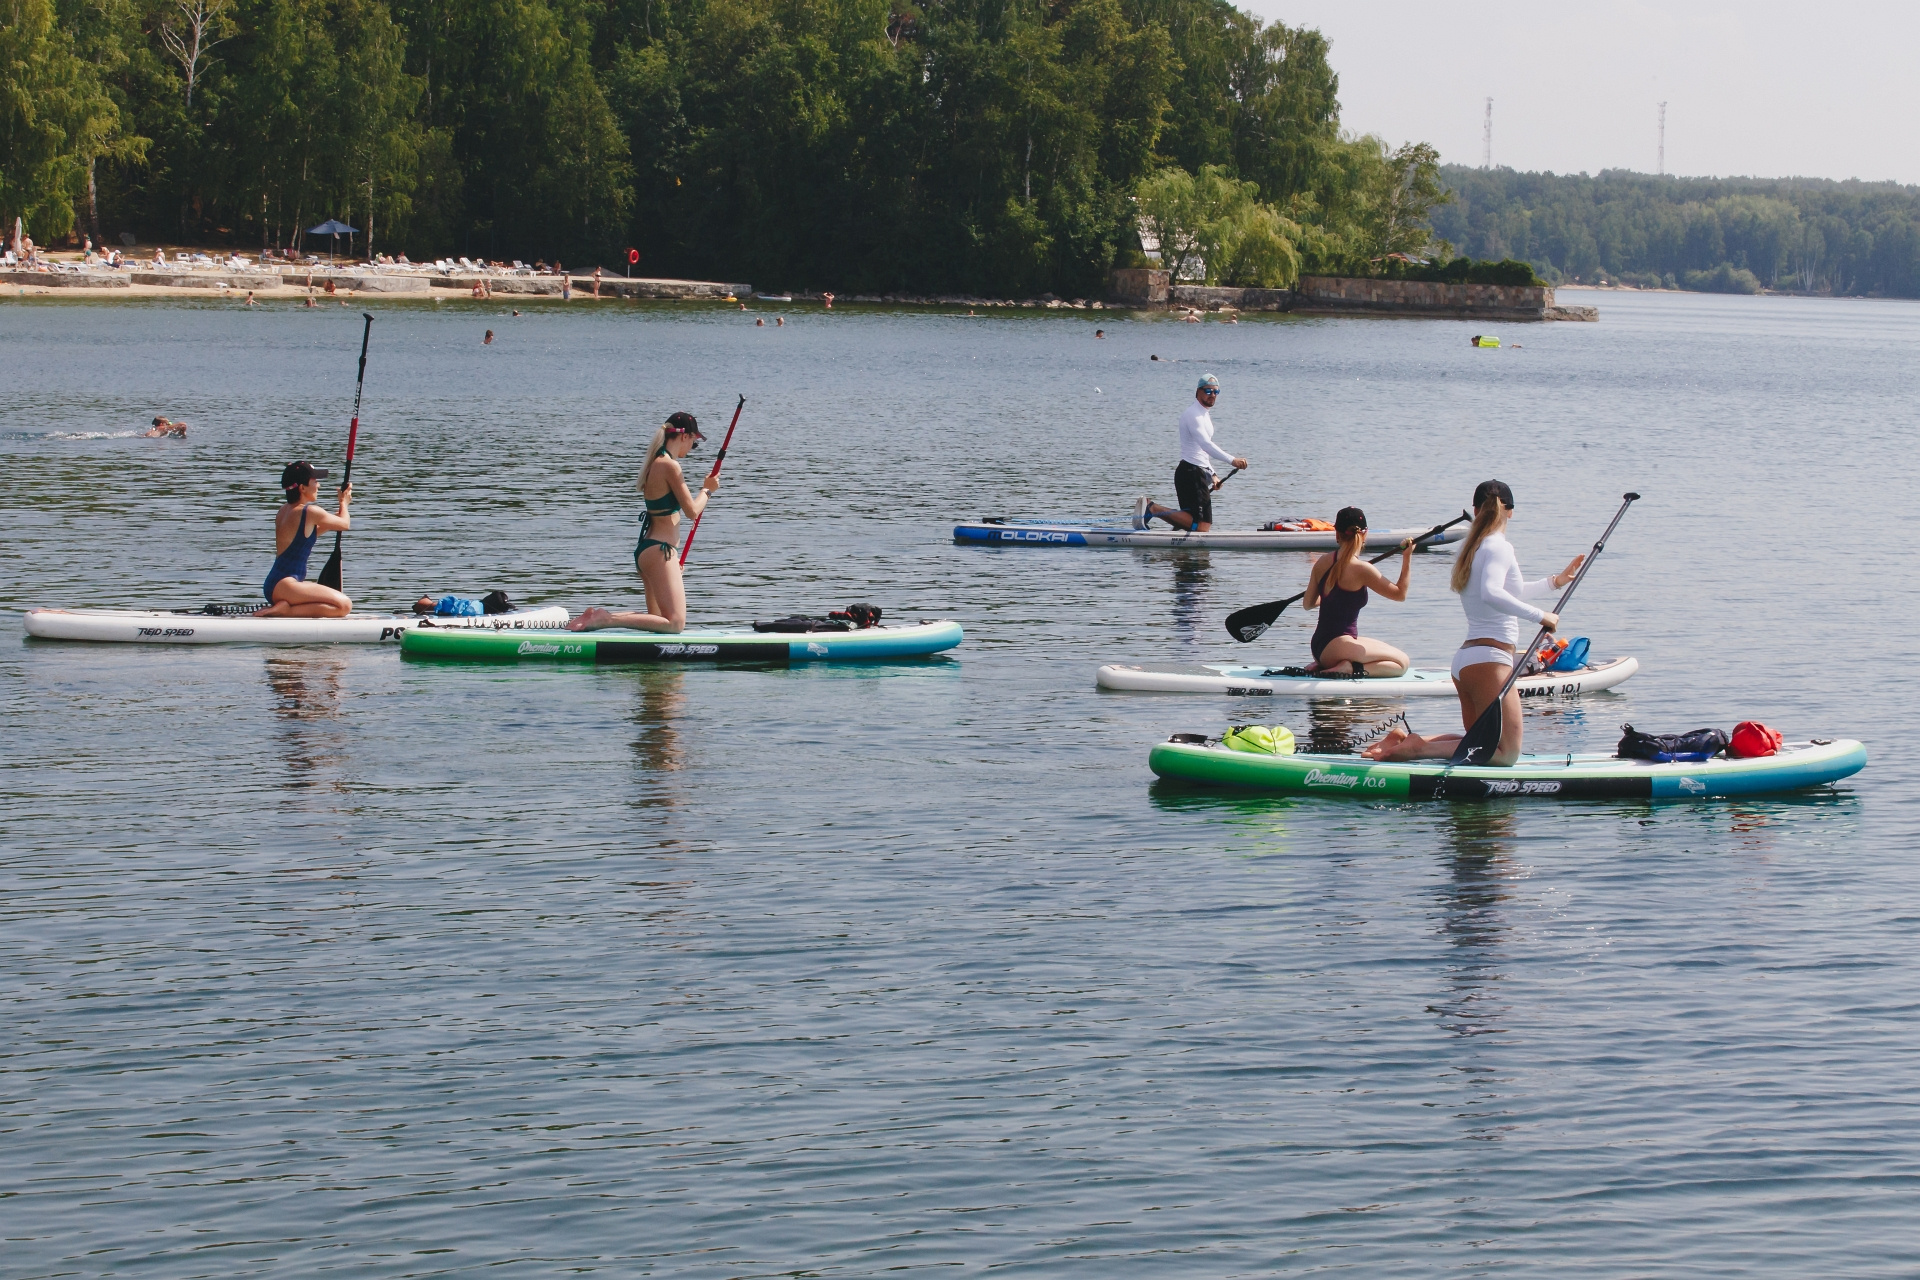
[(1566, 575), (346, 495), (1551, 621), (710, 485)]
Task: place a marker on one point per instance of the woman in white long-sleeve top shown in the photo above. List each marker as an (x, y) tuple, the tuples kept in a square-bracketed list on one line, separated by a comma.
[(1494, 595)]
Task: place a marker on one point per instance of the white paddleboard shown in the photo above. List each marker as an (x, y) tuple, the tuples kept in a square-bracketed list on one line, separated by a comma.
[(1063, 533), (186, 626), (1268, 682)]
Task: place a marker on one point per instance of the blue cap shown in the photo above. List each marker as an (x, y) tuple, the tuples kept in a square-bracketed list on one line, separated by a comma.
[(1208, 383)]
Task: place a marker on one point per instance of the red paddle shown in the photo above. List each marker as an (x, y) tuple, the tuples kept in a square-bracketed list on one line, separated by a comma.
[(330, 572), (688, 544)]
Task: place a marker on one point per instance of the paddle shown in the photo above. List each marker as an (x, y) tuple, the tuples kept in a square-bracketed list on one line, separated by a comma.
[(1247, 624), (688, 544), (1478, 744), (330, 572)]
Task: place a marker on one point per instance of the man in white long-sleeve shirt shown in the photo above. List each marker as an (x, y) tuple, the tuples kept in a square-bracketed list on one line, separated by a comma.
[(1193, 480)]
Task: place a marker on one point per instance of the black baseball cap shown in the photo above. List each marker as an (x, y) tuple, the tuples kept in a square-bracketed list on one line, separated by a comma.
[(299, 473), (684, 424), (1487, 488), (1349, 519)]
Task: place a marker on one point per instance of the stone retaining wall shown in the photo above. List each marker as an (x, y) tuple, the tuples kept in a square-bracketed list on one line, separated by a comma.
[(66, 279), (206, 280), (1349, 296)]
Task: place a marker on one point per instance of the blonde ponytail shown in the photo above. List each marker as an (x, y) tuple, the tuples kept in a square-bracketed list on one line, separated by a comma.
[(1343, 555), (654, 446), (1483, 518)]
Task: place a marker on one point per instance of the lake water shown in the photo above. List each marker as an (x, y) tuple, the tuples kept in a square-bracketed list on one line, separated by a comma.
[(323, 962)]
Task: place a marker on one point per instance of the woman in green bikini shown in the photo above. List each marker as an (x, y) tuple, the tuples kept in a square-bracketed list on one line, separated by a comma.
[(664, 486)]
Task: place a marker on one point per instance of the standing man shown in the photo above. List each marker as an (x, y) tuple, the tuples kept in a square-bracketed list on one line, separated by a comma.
[(1193, 480)]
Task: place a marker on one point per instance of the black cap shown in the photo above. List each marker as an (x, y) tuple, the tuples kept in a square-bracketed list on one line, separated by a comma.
[(683, 424), (1487, 488), (1348, 519), (299, 473)]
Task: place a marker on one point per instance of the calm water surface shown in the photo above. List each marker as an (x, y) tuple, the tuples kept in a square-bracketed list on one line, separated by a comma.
[(324, 962)]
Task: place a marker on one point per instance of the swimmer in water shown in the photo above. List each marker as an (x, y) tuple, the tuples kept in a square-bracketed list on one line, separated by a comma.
[(1099, 333), (163, 427), (488, 340), (760, 324)]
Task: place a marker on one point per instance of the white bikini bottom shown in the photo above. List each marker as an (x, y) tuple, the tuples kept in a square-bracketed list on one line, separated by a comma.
[(1474, 654)]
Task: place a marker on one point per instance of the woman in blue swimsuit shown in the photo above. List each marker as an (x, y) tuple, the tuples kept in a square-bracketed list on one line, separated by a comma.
[(297, 526), (664, 487)]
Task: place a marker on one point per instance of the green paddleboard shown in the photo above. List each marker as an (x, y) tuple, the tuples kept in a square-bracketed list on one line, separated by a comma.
[(617, 646)]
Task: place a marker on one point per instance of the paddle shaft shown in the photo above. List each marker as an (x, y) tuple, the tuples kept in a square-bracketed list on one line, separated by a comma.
[(722, 457), (1279, 606), (330, 572), (1473, 746)]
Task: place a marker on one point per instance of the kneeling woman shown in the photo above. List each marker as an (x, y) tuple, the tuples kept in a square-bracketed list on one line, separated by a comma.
[(1338, 587), (297, 526), (1487, 576), (664, 486)]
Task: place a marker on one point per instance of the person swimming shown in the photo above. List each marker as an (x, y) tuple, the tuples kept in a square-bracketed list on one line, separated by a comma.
[(165, 427), (297, 526)]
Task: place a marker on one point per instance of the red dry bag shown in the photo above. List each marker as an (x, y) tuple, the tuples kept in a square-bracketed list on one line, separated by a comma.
[(1751, 738)]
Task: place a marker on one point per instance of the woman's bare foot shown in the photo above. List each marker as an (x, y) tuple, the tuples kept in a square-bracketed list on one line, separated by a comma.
[(1383, 749), (592, 619)]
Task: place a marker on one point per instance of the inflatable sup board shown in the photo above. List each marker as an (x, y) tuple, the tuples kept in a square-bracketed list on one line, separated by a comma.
[(1271, 682), (1562, 777), (617, 646), (193, 626), (995, 531)]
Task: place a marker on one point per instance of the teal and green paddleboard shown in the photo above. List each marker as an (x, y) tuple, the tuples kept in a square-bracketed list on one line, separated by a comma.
[(620, 647), (1562, 777)]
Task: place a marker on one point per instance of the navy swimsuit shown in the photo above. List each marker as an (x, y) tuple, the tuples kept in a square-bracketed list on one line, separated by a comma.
[(292, 563)]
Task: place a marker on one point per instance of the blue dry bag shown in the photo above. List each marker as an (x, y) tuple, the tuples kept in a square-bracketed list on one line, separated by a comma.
[(457, 607), (1575, 656)]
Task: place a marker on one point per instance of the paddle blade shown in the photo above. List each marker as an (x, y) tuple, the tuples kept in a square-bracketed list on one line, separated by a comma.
[(1478, 744), (330, 572), (1249, 623)]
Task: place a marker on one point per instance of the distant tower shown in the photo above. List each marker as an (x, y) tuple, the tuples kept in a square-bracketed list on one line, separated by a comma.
[(1486, 136), (1662, 169)]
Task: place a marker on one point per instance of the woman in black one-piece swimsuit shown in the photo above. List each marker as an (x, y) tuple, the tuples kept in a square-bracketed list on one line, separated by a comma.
[(1338, 587)]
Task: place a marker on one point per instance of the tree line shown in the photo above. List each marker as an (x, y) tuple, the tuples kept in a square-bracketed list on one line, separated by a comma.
[(986, 146), (1720, 234)]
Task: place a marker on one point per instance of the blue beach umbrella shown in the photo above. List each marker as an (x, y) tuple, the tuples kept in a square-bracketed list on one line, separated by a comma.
[(332, 227)]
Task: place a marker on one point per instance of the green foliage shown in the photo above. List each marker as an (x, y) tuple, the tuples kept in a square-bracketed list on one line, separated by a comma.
[(56, 117), (1213, 227), (1805, 234), (1725, 278), (970, 145), (1508, 271)]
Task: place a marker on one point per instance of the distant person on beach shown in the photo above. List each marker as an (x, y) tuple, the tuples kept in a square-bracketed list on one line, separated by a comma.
[(163, 427), (596, 282), (663, 485), (297, 526), (1193, 480)]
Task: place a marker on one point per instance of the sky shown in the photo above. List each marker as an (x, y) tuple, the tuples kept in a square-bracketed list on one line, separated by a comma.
[(1761, 88)]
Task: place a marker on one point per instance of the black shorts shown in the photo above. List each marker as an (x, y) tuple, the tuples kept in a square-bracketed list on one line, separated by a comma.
[(1194, 488)]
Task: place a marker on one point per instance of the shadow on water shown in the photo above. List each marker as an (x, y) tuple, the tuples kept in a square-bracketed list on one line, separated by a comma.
[(312, 742), (1192, 594), (1478, 842), (660, 703)]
